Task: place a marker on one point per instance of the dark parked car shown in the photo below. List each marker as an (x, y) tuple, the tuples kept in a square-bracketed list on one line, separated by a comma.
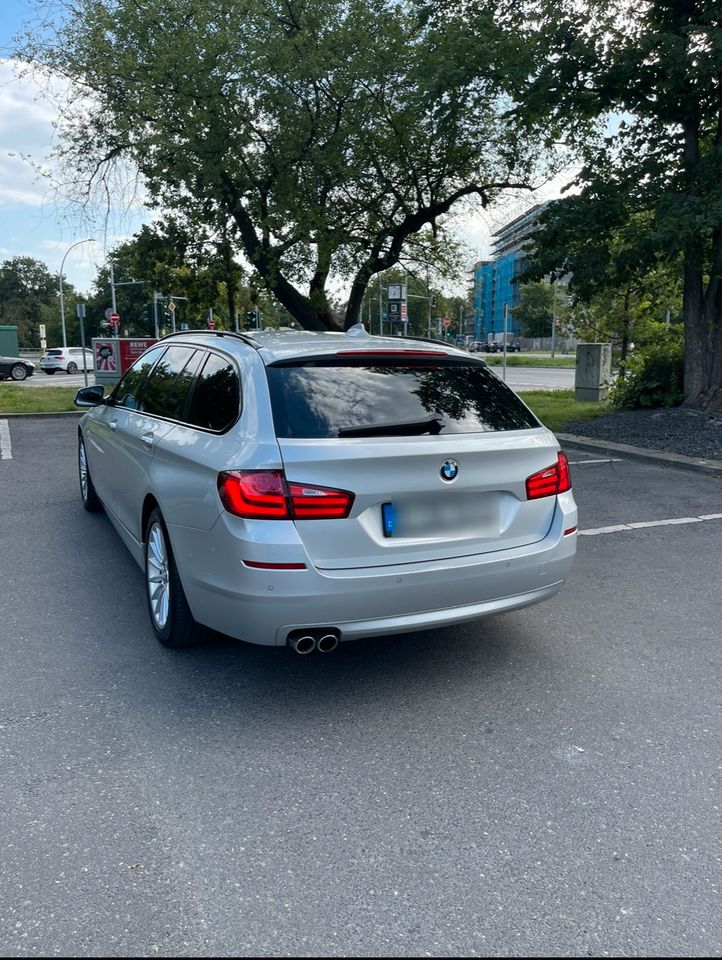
[(496, 346), (15, 368)]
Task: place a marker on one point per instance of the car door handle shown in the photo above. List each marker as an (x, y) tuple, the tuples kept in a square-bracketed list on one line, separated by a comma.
[(112, 424), (147, 439)]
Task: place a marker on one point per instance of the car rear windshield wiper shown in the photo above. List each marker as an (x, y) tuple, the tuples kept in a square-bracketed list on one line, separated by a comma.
[(412, 428)]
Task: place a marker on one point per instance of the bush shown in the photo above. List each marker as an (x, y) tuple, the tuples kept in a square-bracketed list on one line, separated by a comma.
[(655, 378)]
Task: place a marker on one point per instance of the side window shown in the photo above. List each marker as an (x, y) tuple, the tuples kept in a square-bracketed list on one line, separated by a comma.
[(167, 388), (217, 395), (128, 390)]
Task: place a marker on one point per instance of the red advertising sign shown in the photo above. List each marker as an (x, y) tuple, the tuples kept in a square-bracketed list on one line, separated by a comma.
[(130, 350), (106, 356)]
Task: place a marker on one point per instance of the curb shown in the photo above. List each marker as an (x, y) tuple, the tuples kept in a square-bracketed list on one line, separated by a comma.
[(40, 416), (661, 458)]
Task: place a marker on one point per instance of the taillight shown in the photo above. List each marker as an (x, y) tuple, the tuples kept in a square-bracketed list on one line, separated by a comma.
[(267, 495), (318, 503), (259, 494), (548, 482)]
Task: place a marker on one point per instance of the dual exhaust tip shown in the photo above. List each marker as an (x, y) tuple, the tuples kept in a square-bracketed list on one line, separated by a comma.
[(306, 641)]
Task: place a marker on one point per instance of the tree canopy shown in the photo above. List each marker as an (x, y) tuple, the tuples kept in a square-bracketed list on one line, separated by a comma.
[(650, 186), (326, 133)]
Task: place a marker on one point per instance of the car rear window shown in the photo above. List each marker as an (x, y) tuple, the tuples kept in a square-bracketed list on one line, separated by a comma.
[(337, 397), (55, 353)]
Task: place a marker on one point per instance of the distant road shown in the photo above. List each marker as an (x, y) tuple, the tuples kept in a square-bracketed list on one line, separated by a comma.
[(538, 378), (59, 379), (520, 378)]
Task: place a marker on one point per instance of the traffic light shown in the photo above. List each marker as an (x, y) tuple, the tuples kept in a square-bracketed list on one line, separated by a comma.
[(148, 318), (251, 319)]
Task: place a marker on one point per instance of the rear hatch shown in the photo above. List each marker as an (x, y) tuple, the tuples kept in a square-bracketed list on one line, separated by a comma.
[(436, 451)]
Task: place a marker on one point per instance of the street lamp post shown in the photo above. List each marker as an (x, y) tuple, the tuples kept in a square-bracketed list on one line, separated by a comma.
[(62, 301)]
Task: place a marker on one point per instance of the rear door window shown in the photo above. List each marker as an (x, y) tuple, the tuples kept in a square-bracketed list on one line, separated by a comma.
[(396, 396), (127, 393), (215, 403), (167, 388)]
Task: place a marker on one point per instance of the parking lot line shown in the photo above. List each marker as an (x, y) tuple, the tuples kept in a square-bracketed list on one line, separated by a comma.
[(604, 460), (642, 524), (6, 450)]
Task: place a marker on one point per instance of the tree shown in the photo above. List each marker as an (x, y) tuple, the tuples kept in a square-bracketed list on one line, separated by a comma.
[(29, 297), (617, 277), (658, 63), (536, 309), (326, 133)]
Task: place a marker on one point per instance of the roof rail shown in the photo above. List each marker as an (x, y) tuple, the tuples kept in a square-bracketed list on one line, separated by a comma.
[(218, 333)]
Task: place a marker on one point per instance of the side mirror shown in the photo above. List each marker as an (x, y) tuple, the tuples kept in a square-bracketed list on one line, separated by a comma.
[(90, 396)]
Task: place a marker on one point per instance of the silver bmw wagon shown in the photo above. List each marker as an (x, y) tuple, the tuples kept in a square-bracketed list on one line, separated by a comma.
[(302, 489)]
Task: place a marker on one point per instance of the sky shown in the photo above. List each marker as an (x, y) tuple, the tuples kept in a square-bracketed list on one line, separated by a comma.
[(32, 221)]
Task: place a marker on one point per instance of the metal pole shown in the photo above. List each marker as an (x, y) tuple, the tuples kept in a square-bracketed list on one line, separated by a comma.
[(554, 316), (62, 299), (80, 309), (506, 324), (381, 312), (62, 309), (112, 287), (155, 313)]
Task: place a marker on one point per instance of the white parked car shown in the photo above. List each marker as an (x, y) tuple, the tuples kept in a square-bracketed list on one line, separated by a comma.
[(69, 359)]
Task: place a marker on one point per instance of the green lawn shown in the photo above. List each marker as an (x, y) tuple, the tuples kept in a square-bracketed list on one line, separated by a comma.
[(15, 399), (556, 407), (526, 360)]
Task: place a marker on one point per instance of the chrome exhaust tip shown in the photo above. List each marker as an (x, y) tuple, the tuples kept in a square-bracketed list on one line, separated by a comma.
[(304, 644), (327, 643)]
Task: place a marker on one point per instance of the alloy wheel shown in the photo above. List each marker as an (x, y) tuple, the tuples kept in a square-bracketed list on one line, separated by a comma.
[(157, 575)]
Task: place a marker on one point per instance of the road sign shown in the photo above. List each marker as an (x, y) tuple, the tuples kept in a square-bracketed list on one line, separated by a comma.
[(43, 333), (80, 310), (171, 306), (108, 313), (114, 318), (211, 324)]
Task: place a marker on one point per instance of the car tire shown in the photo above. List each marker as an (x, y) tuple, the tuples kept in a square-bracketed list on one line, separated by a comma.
[(170, 615), (72, 368), (19, 372), (49, 372), (91, 500)]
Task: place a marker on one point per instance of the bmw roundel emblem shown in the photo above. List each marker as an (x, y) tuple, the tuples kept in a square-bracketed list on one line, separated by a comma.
[(449, 470)]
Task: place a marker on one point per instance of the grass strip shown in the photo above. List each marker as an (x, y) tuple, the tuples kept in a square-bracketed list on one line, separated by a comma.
[(555, 408), (16, 399)]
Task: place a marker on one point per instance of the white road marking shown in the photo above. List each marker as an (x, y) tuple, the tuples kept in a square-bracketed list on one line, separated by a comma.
[(6, 450), (605, 460), (674, 521)]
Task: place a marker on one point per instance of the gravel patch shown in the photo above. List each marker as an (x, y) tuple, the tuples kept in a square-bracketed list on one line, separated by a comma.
[(692, 433)]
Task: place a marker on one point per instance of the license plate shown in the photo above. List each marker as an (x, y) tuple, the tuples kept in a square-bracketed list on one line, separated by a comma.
[(478, 517)]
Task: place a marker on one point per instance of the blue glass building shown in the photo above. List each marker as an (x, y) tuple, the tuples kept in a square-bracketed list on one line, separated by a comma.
[(494, 280)]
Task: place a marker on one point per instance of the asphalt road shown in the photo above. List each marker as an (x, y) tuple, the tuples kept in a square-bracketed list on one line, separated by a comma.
[(544, 783), (520, 378)]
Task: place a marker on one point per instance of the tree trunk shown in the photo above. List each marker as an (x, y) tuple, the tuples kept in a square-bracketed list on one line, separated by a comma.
[(625, 336), (701, 309), (355, 300), (702, 315)]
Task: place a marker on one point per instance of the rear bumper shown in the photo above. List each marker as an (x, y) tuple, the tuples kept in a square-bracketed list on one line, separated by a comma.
[(264, 606)]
